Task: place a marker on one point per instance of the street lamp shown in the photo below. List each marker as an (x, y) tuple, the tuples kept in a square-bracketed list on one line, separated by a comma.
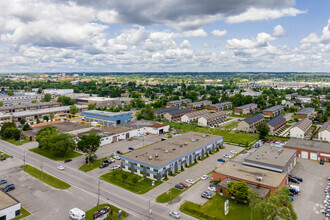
[(98, 194)]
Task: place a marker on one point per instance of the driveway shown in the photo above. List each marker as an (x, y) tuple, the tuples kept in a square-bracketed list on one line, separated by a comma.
[(309, 202)]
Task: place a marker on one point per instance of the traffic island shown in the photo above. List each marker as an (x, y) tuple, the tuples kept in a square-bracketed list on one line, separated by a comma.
[(113, 212), (50, 155)]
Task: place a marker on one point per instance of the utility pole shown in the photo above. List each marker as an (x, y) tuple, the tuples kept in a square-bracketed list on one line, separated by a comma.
[(149, 209), (42, 169), (98, 195), (24, 158)]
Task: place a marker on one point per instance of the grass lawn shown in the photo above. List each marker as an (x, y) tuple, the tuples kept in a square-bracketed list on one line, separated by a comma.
[(24, 213), (130, 182), (167, 196), (6, 155), (230, 126), (214, 209), (49, 155), (237, 137), (239, 116), (113, 209), (46, 178), (93, 165), (13, 141)]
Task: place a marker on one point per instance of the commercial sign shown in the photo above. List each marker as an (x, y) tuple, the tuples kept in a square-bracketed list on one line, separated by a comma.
[(226, 207)]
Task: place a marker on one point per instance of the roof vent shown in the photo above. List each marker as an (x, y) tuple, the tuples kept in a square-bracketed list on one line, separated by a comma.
[(207, 135), (185, 143), (181, 145), (193, 140), (197, 139), (173, 149), (259, 178), (203, 135), (150, 157), (166, 151)]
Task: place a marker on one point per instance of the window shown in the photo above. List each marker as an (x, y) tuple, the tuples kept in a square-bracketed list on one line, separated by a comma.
[(17, 212)]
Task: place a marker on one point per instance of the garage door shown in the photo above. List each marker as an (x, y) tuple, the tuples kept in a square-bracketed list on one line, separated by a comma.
[(313, 156), (304, 154)]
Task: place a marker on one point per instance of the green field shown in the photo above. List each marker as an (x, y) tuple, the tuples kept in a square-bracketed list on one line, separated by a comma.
[(93, 165), (24, 213), (130, 182), (230, 126), (49, 155), (46, 178), (6, 155), (12, 141), (167, 196), (214, 210), (113, 212)]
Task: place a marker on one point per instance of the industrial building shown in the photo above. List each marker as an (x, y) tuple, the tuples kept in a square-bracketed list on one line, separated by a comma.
[(57, 92), (212, 119), (9, 206), (163, 158), (101, 102), (251, 175), (307, 149), (276, 124), (272, 158), (246, 109), (307, 113), (324, 132), (106, 118), (221, 106), (193, 116), (273, 112), (250, 124), (29, 107), (301, 129)]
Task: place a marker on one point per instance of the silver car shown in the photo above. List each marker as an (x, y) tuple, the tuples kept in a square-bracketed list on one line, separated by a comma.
[(175, 214)]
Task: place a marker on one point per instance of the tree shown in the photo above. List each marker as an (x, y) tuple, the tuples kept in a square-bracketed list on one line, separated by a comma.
[(46, 118), (51, 116), (263, 130), (89, 144), (146, 113), (238, 189), (10, 93), (26, 127), (12, 132), (62, 144), (91, 107), (65, 100), (74, 109), (44, 135), (47, 97), (5, 126), (1, 103), (22, 121), (34, 101)]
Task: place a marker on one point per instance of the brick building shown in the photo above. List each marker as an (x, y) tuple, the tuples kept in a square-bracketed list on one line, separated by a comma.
[(273, 111), (246, 109)]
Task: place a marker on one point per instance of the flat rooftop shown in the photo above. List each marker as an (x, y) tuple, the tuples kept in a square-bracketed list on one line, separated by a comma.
[(262, 191), (170, 149), (98, 99), (136, 124), (274, 108), (61, 127), (105, 113), (308, 145), (271, 156), (247, 173), (6, 200)]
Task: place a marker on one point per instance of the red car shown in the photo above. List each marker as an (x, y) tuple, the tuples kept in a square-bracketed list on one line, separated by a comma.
[(183, 184)]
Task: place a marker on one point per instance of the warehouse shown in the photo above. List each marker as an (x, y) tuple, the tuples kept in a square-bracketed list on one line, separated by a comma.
[(29, 107), (272, 158), (163, 158), (107, 118), (276, 124), (246, 109), (307, 113), (301, 129), (9, 206), (255, 176), (193, 116), (310, 149), (250, 124)]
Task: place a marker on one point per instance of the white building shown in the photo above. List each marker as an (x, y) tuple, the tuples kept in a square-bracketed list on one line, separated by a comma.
[(212, 119), (55, 92), (9, 206), (193, 116), (324, 132), (300, 129)]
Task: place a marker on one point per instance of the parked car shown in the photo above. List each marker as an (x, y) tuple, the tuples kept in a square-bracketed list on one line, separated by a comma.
[(204, 177), (190, 181), (131, 148), (329, 178), (8, 188), (117, 157), (294, 191), (109, 160), (119, 152), (206, 194), (226, 156), (68, 160), (114, 167), (322, 162), (233, 151), (214, 184), (183, 184), (103, 165), (3, 181), (294, 180), (221, 160), (60, 167), (179, 186), (174, 214), (212, 189)]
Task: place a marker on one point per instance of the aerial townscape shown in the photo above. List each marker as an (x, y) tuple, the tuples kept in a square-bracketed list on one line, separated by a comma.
[(208, 110)]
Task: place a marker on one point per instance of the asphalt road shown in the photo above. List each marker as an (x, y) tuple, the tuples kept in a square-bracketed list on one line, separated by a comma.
[(136, 205)]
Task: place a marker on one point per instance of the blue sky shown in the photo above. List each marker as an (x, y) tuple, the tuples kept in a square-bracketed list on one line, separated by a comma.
[(164, 35)]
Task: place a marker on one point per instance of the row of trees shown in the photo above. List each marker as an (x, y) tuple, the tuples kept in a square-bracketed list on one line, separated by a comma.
[(9, 130)]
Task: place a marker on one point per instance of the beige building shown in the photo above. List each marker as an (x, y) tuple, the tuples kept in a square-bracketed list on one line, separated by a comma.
[(301, 128), (212, 119), (102, 101), (324, 132), (193, 116), (250, 124)]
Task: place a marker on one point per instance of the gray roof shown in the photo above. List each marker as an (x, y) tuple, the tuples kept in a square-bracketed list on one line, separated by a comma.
[(221, 104), (276, 121), (180, 101), (308, 145), (98, 112), (254, 118), (200, 102), (247, 106), (325, 127), (274, 108), (180, 111), (306, 111), (197, 113), (214, 115), (164, 110), (304, 124), (29, 105)]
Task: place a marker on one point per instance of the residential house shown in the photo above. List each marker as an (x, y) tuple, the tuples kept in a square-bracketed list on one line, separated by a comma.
[(159, 113), (200, 104), (221, 106), (250, 124), (324, 132), (276, 124), (193, 116), (307, 113), (246, 109), (273, 111), (176, 114), (178, 102), (212, 119), (301, 129)]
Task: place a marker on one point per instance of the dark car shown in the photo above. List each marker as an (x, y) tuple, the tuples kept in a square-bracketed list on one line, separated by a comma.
[(109, 160), (294, 180), (131, 148), (221, 160), (294, 191), (214, 184), (179, 186), (68, 160), (103, 165), (3, 181), (322, 162), (8, 187), (119, 152)]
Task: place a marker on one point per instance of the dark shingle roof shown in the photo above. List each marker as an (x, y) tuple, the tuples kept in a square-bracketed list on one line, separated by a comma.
[(276, 121), (180, 111), (306, 111), (246, 106), (221, 104), (254, 118), (164, 110), (274, 108)]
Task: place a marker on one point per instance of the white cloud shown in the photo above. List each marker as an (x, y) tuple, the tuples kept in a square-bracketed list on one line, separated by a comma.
[(279, 31), (255, 14), (194, 33), (185, 44), (261, 40), (313, 37), (219, 33)]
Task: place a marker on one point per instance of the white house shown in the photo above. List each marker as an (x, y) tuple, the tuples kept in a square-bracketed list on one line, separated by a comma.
[(193, 116), (212, 119), (9, 206), (300, 129), (324, 132)]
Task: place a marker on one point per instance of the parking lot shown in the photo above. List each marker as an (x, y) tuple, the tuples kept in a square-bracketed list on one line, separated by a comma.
[(309, 202)]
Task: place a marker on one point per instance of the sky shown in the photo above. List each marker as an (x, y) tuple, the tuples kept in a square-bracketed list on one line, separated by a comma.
[(164, 36)]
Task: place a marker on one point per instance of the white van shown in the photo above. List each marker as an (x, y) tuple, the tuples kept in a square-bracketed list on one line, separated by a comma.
[(76, 213), (295, 187)]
